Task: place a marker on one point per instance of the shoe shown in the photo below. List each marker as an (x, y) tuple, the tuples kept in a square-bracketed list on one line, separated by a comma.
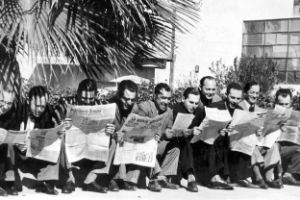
[(113, 186), (11, 189), (245, 183), (154, 186), (192, 186), (3, 193), (68, 188), (129, 186), (94, 187), (261, 184), (168, 185), (46, 187), (219, 186), (290, 180), (275, 184)]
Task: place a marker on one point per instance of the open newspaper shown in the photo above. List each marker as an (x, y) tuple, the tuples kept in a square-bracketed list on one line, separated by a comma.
[(291, 131), (245, 126), (215, 120), (87, 138), (44, 144), (181, 123), (12, 137), (275, 118), (139, 145)]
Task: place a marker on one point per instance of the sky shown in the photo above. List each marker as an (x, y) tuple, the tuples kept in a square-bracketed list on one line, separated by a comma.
[(218, 33)]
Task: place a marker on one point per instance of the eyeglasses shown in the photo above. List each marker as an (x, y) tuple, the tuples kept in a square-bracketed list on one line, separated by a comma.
[(7, 103), (128, 99)]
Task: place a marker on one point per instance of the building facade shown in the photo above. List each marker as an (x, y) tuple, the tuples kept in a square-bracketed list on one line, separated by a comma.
[(278, 39)]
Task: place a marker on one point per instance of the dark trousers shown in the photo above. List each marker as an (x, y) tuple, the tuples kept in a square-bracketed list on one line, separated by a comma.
[(186, 160), (7, 171), (211, 160), (240, 166), (290, 157)]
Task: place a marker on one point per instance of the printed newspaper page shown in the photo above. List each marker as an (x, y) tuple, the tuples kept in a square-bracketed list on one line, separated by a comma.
[(290, 131), (215, 120), (87, 138), (44, 144), (12, 137), (182, 122), (245, 124), (139, 145)]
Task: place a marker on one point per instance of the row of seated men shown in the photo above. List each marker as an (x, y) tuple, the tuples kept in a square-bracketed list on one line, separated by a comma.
[(215, 166)]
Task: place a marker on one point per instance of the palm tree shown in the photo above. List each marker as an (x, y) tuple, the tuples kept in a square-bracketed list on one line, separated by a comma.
[(99, 35)]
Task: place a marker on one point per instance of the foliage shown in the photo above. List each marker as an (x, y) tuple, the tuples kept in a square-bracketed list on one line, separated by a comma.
[(100, 35), (262, 70)]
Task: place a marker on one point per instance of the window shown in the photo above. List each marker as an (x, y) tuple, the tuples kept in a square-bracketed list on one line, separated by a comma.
[(277, 26), (254, 27)]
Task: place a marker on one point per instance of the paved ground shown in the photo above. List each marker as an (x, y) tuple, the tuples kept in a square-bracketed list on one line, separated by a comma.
[(287, 193)]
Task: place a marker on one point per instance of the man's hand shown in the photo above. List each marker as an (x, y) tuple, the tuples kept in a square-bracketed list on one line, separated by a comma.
[(21, 146), (204, 124), (120, 137), (110, 129), (68, 123), (259, 132), (197, 131), (187, 132), (169, 133)]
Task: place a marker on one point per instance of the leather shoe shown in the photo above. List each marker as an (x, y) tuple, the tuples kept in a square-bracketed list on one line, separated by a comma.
[(261, 183), (275, 184), (246, 184), (129, 186), (68, 188), (168, 185), (219, 185), (113, 186), (192, 186), (154, 186), (46, 187), (3, 193), (94, 187), (12, 191), (290, 180)]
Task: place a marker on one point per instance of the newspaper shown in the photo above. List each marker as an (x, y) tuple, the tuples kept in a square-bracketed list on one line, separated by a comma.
[(12, 137), (44, 144), (87, 138), (291, 131), (215, 120), (139, 145), (275, 118), (182, 123), (245, 126), (142, 154), (138, 129)]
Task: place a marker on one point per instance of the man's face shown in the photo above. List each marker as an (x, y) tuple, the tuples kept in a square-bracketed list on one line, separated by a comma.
[(163, 99), (209, 88), (6, 101), (253, 94), (234, 97), (88, 97), (128, 99), (38, 105), (191, 102), (284, 101)]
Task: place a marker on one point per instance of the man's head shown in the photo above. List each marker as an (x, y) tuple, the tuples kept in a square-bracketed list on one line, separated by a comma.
[(283, 98), (38, 99), (162, 96), (127, 93), (86, 92), (251, 91), (7, 98), (191, 98), (234, 94), (208, 86)]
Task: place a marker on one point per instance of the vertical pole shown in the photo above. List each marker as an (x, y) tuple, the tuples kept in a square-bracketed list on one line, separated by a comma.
[(173, 56)]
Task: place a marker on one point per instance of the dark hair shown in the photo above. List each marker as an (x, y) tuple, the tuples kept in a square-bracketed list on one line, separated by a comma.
[(235, 86), (249, 85), (126, 84), (161, 86), (204, 78), (37, 91), (86, 85), (190, 90), (284, 92)]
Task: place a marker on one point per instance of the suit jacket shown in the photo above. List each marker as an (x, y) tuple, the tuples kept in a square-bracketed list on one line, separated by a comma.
[(245, 106)]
